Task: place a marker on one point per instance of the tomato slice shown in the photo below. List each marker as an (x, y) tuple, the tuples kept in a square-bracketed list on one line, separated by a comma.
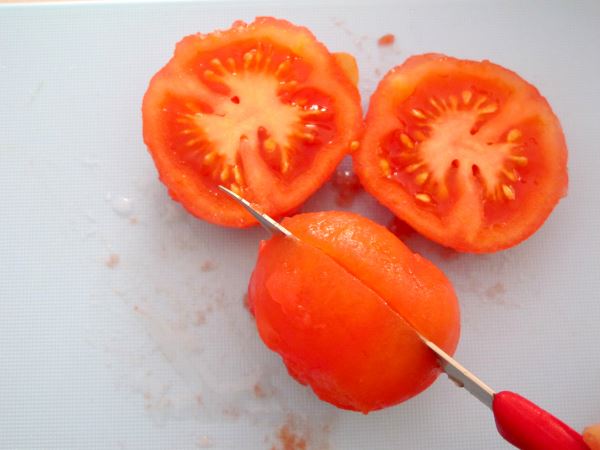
[(339, 305), (467, 153), (262, 108)]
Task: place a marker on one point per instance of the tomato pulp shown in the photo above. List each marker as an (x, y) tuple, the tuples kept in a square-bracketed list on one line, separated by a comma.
[(340, 305), (467, 153), (262, 108)]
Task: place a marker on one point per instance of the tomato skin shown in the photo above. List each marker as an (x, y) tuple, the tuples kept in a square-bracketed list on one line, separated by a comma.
[(410, 284), (486, 225), (337, 333), (273, 192)]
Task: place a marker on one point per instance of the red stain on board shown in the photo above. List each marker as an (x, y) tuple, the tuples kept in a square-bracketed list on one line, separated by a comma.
[(289, 440), (232, 411), (386, 40), (208, 266), (259, 392), (347, 186), (448, 254), (495, 291), (112, 261), (200, 317)]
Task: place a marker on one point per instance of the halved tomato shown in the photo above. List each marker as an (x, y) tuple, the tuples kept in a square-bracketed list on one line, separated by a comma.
[(262, 108), (467, 153)]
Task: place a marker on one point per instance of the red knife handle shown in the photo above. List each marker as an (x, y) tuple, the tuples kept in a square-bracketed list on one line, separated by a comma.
[(529, 427)]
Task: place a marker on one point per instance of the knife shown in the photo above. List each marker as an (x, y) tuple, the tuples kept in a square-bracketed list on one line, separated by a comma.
[(518, 420)]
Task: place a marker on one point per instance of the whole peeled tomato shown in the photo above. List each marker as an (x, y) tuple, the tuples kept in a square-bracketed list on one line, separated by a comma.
[(341, 303)]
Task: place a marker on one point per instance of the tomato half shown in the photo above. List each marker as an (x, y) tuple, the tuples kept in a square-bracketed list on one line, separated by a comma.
[(339, 305), (262, 108), (467, 153)]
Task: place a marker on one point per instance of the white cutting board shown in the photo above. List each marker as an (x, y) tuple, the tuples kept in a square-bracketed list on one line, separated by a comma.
[(152, 348)]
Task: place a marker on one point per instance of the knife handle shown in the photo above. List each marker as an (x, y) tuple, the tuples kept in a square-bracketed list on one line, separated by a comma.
[(529, 427)]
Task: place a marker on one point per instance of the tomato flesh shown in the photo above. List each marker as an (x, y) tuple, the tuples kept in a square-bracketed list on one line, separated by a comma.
[(323, 302), (468, 153), (263, 109), (591, 436)]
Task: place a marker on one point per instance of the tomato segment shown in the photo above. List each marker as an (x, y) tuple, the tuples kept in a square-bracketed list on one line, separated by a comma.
[(263, 109), (323, 302), (468, 153)]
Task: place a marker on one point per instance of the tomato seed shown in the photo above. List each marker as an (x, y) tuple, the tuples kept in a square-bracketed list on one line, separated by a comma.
[(421, 178), (518, 160), (508, 191), (413, 167), (466, 96), (385, 167), (237, 175), (436, 105), (225, 173), (425, 198), (406, 140), (270, 145), (491, 108), (513, 135), (418, 113), (510, 174)]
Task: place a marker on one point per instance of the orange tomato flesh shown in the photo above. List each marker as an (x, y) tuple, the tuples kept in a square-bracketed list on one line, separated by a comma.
[(591, 436), (339, 305), (348, 64)]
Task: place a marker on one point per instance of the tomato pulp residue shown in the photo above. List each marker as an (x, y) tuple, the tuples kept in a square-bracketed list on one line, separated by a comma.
[(259, 392), (448, 254), (205, 442), (386, 39), (289, 440), (202, 314), (347, 186), (112, 261), (208, 266), (399, 228), (494, 291)]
